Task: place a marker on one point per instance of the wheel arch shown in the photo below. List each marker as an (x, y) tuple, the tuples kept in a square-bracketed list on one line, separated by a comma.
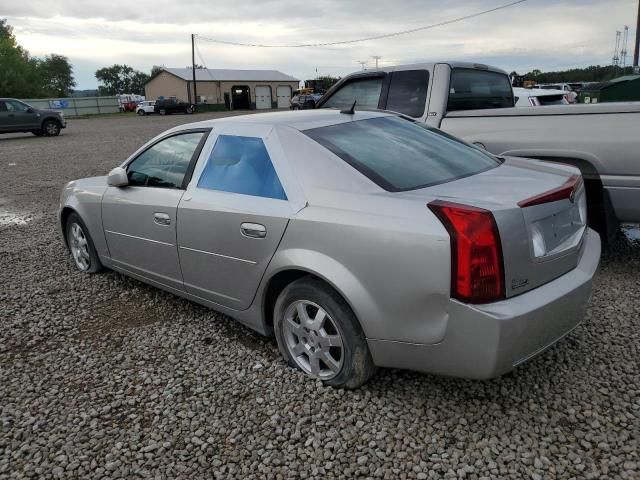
[(64, 215), (280, 278)]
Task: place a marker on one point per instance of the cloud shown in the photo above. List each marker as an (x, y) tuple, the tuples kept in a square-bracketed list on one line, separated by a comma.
[(541, 34)]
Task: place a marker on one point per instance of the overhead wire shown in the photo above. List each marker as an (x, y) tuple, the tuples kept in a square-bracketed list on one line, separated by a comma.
[(359, 40)]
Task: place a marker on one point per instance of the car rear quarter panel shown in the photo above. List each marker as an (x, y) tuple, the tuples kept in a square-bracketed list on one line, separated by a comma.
[(393, 271)]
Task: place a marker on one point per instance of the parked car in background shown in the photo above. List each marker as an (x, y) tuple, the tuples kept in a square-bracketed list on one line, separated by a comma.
[(528, 97), (167, 106), (146, 108), (127, 102), (475, 102), (303, 102), (571, 95), (359, 239), (17, 116)]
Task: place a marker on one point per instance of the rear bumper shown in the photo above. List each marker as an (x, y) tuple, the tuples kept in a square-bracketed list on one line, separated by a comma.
[(484, 341)]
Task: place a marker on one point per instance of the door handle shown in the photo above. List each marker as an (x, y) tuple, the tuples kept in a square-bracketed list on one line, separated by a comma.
[(253, 230), (161, 218)]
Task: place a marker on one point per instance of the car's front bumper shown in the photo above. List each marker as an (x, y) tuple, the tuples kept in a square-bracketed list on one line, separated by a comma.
[(484, 341)]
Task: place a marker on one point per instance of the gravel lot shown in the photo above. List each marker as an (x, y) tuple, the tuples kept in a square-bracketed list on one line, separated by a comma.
[(104, 377)]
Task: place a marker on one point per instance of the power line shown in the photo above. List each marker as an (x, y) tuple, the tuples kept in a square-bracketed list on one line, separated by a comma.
[(375, 37)]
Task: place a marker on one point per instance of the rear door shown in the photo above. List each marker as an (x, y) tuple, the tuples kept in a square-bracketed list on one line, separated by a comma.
[(233, 216), (139, 220)]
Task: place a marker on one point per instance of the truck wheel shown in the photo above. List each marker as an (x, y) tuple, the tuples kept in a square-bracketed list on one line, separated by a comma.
[(189, 110), (51, 128)]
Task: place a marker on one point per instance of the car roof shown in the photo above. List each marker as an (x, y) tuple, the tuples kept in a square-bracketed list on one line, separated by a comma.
[(299, 120)]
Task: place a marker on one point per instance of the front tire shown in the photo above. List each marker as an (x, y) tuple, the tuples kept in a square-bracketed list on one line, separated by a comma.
[(80, 244), (51, 128), (318, 334), (189, 110), (141, 113)]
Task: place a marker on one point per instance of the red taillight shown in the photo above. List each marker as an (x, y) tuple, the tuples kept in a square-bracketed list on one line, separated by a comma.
[(477, 272), (563, 192)]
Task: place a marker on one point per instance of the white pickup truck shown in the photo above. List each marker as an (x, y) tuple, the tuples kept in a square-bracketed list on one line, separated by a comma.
[(476, 103)]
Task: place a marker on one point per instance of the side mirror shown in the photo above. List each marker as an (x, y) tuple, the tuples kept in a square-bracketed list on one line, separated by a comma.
[(30, 110), (118, 177)]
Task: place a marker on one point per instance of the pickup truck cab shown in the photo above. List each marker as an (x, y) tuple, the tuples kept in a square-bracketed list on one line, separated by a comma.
[(17, 117), (475, 102)]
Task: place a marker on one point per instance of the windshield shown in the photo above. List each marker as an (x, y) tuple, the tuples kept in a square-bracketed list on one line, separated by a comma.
[(399, 154)]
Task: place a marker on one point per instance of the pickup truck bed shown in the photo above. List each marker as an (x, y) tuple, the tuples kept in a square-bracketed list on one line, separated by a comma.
[(475, 102), (603, 140)]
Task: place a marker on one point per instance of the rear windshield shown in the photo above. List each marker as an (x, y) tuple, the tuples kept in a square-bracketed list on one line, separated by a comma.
[(399, 154), (478, 89)]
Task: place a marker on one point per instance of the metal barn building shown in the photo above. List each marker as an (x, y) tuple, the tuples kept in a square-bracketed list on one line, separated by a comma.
[(235, 89)]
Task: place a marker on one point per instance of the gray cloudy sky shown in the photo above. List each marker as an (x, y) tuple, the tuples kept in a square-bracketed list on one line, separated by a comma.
[(545, 34)]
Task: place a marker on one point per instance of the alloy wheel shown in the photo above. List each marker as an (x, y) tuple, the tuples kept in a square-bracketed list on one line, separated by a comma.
[(79, 247), (313, 339)]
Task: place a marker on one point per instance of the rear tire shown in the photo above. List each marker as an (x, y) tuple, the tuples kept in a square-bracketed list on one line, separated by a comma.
[(80, 244), (51, 128), (318, 334), (189, 110)]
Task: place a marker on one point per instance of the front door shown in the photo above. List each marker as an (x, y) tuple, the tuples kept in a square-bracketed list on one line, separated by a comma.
[(15, 115), (231, 220), (139, 220)]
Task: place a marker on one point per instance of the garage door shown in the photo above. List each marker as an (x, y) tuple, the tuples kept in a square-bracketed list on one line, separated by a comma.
[(263, 97), (284, 96)]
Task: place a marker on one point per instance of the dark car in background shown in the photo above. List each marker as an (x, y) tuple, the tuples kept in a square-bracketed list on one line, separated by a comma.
[(18, 117), (303, 102), (167, 106)]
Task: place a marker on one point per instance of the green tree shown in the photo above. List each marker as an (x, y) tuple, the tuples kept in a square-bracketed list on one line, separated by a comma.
[(120, 79), (57, 75), (18, 72), (23, 76)]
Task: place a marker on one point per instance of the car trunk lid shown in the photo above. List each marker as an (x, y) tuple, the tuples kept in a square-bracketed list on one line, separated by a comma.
[(540, 212)]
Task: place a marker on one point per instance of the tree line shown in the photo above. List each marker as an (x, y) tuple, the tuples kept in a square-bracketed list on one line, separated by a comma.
[(24, 76), (594, 73)]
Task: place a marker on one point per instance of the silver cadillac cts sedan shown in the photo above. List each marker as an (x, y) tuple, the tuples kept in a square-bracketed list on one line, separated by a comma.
[(358, 239)]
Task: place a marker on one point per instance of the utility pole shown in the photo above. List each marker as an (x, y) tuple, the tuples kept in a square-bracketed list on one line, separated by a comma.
[(193, 69), (635, 53), (377, 57)]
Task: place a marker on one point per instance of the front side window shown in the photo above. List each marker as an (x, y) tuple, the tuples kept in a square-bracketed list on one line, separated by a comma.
[(408, 92), (241, 165), (15, 106), (365, 92), (478, 89), (165, 164), (399, 155)]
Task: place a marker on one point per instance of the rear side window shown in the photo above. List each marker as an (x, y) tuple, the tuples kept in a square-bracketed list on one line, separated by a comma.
[(365, 92), (408, 92), (478, 89), (241, 165), (399, 155)]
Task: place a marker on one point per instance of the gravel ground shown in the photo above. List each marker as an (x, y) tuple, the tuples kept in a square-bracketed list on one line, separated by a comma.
[(104, 377)]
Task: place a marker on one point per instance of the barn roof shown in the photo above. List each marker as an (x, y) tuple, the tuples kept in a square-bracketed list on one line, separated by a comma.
[(230, 75)]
